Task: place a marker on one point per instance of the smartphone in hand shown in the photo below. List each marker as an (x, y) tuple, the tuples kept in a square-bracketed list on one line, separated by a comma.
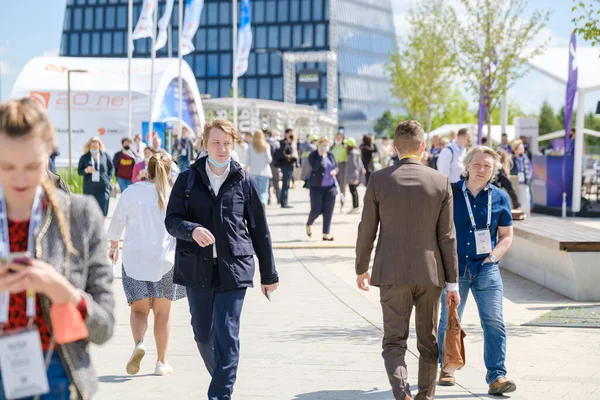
[(267, 294), (16, 258)]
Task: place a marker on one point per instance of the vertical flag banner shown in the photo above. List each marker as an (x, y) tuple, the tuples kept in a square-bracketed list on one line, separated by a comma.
[(244, 39), (163, 24), (193, 10), (481, 117), (145, 25), (571, 90)]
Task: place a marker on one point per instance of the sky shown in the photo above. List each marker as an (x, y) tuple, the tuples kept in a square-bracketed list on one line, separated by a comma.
[(30, 28)]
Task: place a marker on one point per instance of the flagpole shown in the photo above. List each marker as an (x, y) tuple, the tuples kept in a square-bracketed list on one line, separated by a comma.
[(235, 79), (180, 57), (153, 57), (129, 57)]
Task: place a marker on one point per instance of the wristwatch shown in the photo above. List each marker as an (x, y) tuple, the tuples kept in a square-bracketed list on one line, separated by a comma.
[(493, 258)]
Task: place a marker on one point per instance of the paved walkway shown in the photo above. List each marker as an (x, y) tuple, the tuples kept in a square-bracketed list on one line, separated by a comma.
[(320, 338)]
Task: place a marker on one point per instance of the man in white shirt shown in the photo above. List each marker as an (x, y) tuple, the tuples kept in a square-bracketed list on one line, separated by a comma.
[(451, 159)]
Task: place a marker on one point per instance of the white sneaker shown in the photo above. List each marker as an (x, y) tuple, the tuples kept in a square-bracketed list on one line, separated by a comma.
[(133, 365), (162, 369)]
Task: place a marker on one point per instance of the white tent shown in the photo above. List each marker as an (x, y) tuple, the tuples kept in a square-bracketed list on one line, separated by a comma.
[(99, 98), (554, 63), (496, 131)]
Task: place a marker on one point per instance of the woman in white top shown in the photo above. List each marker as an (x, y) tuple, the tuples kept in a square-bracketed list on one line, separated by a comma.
[(148, 257), (258, 163)]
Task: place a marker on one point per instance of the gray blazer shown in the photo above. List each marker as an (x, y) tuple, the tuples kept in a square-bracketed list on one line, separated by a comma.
[(412, 206), (90, 271), (354, 166)]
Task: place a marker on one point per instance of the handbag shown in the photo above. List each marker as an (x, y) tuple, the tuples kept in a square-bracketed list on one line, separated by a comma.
[(67, 323), (454, 345)]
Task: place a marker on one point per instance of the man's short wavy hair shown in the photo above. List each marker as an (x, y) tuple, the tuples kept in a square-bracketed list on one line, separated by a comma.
[(485, 150)]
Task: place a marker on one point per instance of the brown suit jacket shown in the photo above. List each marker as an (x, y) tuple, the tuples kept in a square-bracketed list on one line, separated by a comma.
[(412, 206)]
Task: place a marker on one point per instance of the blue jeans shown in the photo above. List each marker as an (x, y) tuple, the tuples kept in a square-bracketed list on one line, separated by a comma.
[(263, 188), (124, 183), (57, 380), (184, 164), (286, 173), (216, 326), (487, 290)]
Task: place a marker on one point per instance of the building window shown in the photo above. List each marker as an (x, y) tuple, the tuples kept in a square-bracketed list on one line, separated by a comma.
[(305, 10), (317, 10), (294, 10), (225, 39), (74, 44), (225, 13), (271, 11), (122, 17), (226, 64), (278, 89), (251, 91), (119, 41), (64, 44), (77, 18), (251, 64), (110, 17), (200, 39), (106, 43), (67, 21), (297, 36), (95, 43), (320, 35), (286, 36), (242, 87), (81, 2), (259, 11), (213, 65), (261, 37), (99, 18), (326, 10), (226, 87), (283, 8), (313, 94), (275, 64), (85, 44), (263, 64), (202, 86), (92, 2), (308, 35), (213, 39), (301, 93), (212, 12), (265, 88), (273, 37), (88, 21), (200, 61), (213, 88)]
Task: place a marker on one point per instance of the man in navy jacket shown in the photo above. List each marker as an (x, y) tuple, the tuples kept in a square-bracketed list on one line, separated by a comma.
[(216, 215)]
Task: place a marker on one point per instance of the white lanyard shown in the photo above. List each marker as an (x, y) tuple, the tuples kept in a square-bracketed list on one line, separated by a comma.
[(489, 214), (94, 162), (35, 221)]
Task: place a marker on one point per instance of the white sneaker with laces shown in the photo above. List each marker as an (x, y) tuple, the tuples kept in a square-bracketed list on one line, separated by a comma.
[(162, 369), (133, 365)]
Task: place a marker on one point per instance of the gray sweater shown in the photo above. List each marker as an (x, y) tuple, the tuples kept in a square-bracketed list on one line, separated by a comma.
[(354, 166), (90, 271)]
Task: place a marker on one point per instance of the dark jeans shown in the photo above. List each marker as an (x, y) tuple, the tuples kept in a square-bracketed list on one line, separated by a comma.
[(57, 380), (322, 201), (354, 193), (287, 173), (275, 183), (367, 176), (216, 325)]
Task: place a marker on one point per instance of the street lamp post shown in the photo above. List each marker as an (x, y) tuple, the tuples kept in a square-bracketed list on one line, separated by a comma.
[(69, 116)]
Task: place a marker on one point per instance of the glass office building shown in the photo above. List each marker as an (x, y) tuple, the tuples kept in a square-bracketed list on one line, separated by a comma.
[(365, 39)]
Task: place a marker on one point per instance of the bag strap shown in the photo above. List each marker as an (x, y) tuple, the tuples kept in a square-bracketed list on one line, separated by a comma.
[(246, 187), (188, 189)]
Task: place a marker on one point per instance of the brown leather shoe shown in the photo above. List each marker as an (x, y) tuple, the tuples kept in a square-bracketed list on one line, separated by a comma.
[(501, 386), (446, 379)]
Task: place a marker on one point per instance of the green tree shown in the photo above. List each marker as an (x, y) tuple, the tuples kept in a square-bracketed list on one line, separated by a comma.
[(385, 124), (422, 72), (514, 110), (495, 40), (547, 120), (455, 110), (586, 15)]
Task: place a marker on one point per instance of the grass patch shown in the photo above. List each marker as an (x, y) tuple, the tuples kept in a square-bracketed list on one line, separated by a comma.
[(72, 179)]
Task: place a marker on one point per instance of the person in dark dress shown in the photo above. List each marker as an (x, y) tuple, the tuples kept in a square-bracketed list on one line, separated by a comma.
[(368, 149), (97, 170)]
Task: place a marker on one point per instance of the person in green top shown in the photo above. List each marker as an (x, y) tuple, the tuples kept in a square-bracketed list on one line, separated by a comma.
[(341, 157)]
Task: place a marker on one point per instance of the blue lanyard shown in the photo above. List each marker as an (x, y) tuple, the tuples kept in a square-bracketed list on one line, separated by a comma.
[(471, 216)]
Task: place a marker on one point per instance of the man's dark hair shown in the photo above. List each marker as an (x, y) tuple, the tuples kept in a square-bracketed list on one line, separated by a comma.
[(288, 130), (125, 139), (504, 135), (572, 130), (483, 141), (462, 132), (408, 136)]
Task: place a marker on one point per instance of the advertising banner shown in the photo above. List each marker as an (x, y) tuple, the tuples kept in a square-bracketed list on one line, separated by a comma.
[(310, 78)]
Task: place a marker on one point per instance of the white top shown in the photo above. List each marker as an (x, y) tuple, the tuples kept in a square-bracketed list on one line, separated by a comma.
[(240, 149), (148, 250), (138, 149), (216, 181), (451, 161), (259, 164)]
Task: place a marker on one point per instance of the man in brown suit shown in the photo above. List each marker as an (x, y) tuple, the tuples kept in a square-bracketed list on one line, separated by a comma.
[(415, 256)]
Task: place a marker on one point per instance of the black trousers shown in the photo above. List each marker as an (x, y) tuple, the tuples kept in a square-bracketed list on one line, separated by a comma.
[(354, 193)]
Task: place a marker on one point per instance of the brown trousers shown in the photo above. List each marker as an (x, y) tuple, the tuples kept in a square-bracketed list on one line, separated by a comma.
[(397, 302)]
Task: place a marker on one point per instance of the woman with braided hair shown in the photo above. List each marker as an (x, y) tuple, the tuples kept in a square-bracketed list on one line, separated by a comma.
[(56, 298)]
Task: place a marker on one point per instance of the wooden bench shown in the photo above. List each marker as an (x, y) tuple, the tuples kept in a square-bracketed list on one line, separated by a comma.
[(558, 254)]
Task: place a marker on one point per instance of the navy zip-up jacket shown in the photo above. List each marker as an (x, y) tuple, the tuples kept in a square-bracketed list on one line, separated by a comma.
[(236, 219)]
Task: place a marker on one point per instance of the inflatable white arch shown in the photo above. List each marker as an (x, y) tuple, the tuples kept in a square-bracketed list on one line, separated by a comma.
[(99, 97)]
